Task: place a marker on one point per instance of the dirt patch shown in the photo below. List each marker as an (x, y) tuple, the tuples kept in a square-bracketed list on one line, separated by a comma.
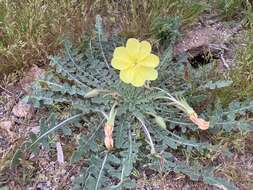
[(171, 181), (213, 38), (239, 168)]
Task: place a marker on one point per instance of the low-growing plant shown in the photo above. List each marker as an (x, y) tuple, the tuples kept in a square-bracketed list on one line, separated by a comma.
[(121, 120)]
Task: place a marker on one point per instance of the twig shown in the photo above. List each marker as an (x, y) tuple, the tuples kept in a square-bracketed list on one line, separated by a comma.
[(9, 92), (224, 61)]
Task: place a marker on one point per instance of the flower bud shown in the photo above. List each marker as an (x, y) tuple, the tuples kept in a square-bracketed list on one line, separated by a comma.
[(93, 93), (109, 143), (160, 121), (201, 123), (108, 129)]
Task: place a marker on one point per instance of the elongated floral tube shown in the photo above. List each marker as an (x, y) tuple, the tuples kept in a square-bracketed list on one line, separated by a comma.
[(108, 129), (192, 115), (182, 104), (201, 123)]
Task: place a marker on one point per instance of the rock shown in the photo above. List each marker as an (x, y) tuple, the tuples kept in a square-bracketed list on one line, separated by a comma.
[(186, 187), (23, 110), (6, 129), (60, 155), (6, 124), (35, 130)]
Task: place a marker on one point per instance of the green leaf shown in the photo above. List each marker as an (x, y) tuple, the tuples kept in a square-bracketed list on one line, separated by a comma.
[(4, 188), (63, 123), (15, 161), (217, 84)]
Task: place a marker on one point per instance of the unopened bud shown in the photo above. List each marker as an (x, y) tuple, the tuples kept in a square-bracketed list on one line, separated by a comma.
[(201, 123), (193, 116), (93, 93), (160, 121), (109, 143), (108, 129)]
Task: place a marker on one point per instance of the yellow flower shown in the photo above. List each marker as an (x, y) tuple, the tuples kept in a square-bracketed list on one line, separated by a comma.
[(135, 62)]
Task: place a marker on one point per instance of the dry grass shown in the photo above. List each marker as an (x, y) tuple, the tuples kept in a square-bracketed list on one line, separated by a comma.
[(30, 30), (135, 17), (242, 72), (238, 167)]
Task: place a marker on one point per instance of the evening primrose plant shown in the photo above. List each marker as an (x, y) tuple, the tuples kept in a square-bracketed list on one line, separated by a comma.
[(122, 110)]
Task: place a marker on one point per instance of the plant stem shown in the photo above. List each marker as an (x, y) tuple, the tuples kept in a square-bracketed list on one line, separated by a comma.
[(148, 135), (101, 170)]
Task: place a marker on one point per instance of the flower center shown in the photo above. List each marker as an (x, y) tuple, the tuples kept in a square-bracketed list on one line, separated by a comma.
[(135, 61)]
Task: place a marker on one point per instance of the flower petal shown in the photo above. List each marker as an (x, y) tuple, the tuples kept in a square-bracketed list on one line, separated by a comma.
[(150, 61), (148, 73), (145, 47), (138, 81), (127, 75), (145, 50), (133, 47), (142, 74), (121, 64), (120, 52)]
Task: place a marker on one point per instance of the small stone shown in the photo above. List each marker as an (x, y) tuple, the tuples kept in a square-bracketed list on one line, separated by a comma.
[(32, 155), (6, 128), (60, 155), (72, 178), (35, 129), (32, 75), (23, 110), (6, 124), (186, 187)]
